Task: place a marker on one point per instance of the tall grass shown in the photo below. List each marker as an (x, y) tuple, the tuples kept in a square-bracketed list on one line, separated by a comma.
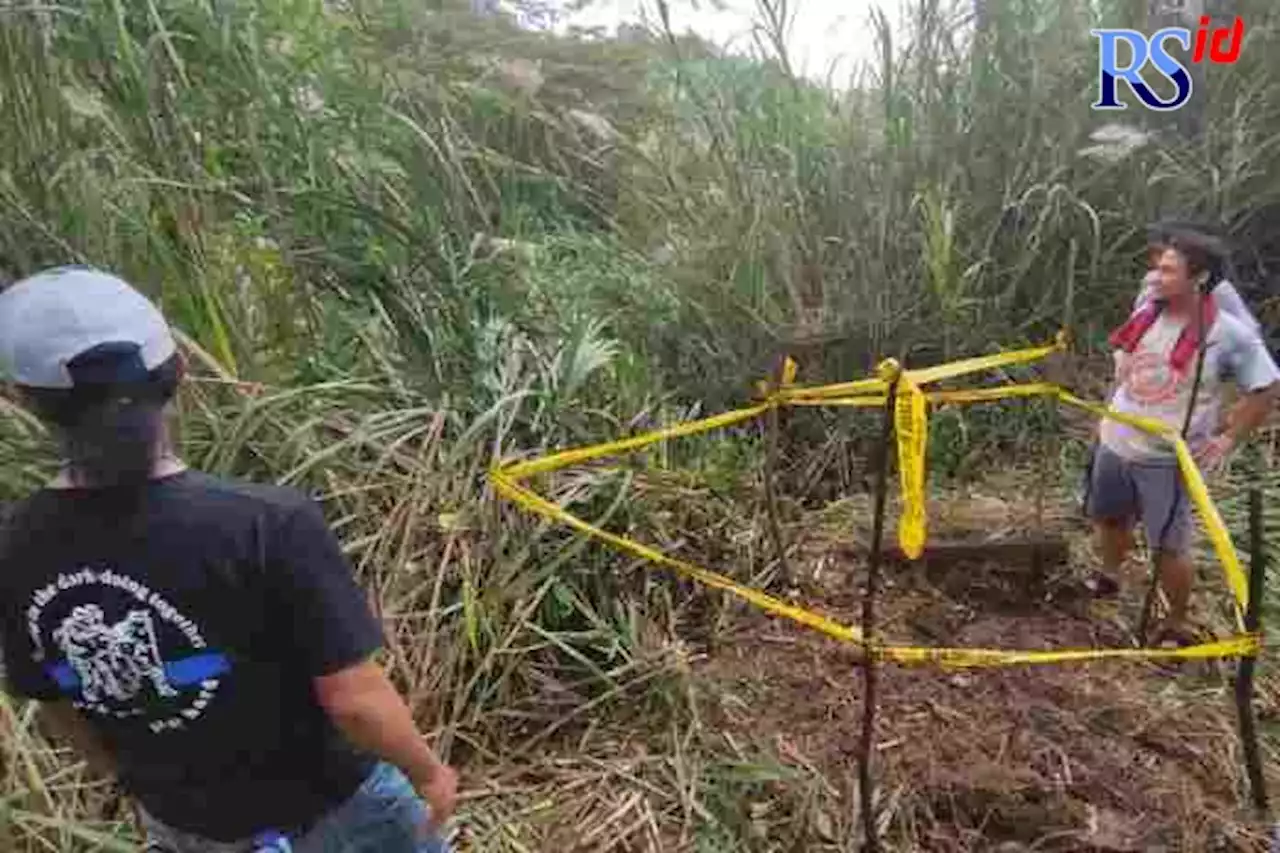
[(404, 242)]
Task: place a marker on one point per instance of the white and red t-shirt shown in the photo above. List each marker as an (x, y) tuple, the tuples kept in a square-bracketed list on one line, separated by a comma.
[(1147, 384)]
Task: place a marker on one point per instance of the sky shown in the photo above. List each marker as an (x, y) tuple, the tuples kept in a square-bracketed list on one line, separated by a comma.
[(825, 37)]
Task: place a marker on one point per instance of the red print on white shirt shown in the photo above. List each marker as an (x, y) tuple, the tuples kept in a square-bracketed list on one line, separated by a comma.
[(1149, 379)]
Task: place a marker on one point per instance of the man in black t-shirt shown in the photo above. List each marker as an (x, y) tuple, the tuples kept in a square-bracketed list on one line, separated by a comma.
[(202, 639)]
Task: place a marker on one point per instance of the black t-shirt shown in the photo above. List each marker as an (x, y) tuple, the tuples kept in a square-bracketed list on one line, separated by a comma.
[(186, 621)]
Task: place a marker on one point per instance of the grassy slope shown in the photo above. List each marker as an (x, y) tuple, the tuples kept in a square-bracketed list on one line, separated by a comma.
[(399, 254)]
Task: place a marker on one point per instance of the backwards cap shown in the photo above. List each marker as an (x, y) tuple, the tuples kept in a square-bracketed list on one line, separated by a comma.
[(72, 327)]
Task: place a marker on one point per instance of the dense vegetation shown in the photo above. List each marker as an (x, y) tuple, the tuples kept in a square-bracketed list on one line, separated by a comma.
[(404, 240)]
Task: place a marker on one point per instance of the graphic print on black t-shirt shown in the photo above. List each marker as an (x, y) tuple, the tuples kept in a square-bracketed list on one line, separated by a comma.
[(118, 649), (188, 624)]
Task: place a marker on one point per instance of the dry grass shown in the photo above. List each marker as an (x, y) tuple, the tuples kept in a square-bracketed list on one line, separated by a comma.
[(398, 264), (675, 720), (1105, 756), (1043, 759)]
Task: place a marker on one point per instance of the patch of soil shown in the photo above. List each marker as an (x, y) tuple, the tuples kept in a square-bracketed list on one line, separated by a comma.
[(1104, 756)]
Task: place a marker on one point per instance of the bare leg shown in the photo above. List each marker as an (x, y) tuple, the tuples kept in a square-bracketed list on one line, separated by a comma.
[(1115, 541), (1176, 577)]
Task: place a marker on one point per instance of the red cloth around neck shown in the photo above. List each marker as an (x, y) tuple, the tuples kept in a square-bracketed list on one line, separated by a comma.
[(1128, 336)]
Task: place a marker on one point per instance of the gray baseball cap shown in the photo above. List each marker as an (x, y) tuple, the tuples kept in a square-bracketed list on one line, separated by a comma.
[(73, 326)]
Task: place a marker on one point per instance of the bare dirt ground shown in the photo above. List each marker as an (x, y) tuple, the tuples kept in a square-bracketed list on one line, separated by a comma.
[(1102, 756), (740, 733)]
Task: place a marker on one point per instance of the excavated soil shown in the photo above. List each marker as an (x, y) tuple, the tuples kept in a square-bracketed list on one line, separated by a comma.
[(1103, 756)]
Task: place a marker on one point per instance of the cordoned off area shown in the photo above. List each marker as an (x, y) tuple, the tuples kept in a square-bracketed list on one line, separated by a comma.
[(910, 429)]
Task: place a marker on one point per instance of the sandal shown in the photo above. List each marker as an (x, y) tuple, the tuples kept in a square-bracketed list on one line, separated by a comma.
[(1173, 638), (1101, 585)]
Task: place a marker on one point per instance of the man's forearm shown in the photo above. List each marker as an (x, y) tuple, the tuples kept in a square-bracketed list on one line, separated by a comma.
[(375, 719), (1249, 412), (390, 734)]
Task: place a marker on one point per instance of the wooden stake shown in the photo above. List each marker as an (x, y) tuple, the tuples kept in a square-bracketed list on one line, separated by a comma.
[(872, 841), (1244, 676), (1048, 452), (770, 494)]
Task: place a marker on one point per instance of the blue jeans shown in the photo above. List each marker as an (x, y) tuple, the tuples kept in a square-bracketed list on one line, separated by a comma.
[(383, 816)]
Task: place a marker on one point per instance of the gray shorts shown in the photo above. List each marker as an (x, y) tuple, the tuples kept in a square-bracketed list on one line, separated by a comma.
[(1121, 490)]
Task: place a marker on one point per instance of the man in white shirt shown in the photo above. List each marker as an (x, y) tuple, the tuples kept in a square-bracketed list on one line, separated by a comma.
[(1135, 475)]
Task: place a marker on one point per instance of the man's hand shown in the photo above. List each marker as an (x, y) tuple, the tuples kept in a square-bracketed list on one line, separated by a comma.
[(365, 707), (440, 790), (1213, 454)]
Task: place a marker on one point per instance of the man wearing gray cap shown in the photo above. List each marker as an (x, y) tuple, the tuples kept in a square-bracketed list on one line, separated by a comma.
[(202, 639)]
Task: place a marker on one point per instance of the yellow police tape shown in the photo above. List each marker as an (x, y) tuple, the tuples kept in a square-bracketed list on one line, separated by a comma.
[(533, 501), (970, 395), (925, 376), (955, 369), (1239, 645), (911, 427), (555, 461), (1216, 530), (1195, 485)]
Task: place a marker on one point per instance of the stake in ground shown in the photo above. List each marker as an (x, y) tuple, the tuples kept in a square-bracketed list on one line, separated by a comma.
[(899, 392)]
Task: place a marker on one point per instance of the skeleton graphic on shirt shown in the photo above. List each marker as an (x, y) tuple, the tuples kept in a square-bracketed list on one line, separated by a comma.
[(112, 661)]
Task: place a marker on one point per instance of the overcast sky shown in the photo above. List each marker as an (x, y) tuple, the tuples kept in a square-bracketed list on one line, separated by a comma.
[(824, 34)]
